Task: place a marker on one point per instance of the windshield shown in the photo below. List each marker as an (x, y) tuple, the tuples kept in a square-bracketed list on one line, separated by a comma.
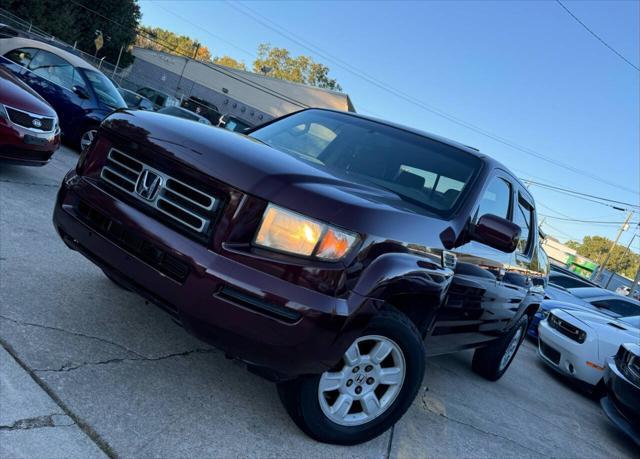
[(104, 89), (418, 169)]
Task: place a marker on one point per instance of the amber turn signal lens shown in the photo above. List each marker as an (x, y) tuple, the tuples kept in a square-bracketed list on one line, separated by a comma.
[(335, 244)]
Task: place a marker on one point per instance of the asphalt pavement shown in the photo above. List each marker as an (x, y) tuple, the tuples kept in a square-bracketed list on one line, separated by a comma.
[(90, 370)]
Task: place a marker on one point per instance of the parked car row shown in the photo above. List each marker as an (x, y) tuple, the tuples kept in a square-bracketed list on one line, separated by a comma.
[(50, 83), (80, 95), (592, 336)]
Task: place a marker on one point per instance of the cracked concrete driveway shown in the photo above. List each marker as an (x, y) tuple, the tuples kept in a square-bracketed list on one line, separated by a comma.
[(95, 370)]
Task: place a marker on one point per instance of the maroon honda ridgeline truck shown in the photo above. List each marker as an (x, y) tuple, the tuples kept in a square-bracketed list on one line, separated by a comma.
[(327, 250)]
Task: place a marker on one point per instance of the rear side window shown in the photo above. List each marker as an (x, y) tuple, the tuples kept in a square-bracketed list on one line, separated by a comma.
[(567, 282), (523, 217), (496, 199), (621, 307), (53, 68), (21, 56)]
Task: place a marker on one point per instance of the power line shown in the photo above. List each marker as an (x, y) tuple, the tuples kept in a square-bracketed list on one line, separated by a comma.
[(207, 31), (596, 35), (246, 81), (597, 222), (561, 232), (580, 193), (247, 11)]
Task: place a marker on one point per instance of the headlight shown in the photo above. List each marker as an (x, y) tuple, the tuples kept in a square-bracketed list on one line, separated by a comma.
[(291, 232), (3, 113)]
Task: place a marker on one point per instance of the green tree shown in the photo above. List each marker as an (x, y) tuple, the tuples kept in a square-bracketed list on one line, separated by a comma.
[(164, 40), (228, 61), (279, 63), (70, 22), (621, 261)]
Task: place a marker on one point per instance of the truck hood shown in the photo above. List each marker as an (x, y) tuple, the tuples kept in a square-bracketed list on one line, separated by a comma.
[(278, 177)]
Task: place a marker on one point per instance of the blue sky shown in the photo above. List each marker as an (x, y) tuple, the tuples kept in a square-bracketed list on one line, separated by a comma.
[(524, 71)]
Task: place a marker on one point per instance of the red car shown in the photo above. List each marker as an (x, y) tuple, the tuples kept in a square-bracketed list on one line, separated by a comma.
[(29, 130)]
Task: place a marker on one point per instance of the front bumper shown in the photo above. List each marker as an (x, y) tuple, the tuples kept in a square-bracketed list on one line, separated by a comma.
[(622, 403), (565, 355), (255, 317), (23, 147)]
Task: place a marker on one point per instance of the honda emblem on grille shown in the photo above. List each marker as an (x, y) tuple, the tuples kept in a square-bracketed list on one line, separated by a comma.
[(148, 185), (36, 122)]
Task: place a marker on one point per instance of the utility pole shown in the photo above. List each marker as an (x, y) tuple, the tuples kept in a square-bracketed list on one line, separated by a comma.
[(623, 228), (626, 251), (634, 287)]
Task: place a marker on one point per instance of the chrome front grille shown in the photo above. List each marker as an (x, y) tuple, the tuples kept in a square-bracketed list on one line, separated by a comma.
[(29, 120), (184, 204)]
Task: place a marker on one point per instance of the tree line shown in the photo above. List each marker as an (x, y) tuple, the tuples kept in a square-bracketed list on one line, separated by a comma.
[(78, 21), (622, 261)]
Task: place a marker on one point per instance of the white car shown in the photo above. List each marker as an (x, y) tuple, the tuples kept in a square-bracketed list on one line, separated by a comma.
[(578, 343)]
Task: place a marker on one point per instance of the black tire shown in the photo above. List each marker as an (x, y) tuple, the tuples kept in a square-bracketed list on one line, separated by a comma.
[(300, 397), (486, 360), (87, 135)]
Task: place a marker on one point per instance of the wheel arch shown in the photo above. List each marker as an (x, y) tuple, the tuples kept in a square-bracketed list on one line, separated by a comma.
[(412, 284)]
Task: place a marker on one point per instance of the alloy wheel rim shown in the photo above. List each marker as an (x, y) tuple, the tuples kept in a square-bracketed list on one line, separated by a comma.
[(365, 384), (511, 349), (87, 138)]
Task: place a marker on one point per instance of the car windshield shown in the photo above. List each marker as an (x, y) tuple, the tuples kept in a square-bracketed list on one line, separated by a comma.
[(104, 89), (418, 169), (131, 98)]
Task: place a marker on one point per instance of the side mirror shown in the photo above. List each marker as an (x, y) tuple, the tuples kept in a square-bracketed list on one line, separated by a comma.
[(496, 232), (81, 92)]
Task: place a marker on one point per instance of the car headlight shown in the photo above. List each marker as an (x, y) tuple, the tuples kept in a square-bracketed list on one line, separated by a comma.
[(3, 113), (290, 232)]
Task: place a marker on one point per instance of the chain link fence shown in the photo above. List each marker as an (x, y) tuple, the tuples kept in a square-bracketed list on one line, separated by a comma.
[(14, 26)]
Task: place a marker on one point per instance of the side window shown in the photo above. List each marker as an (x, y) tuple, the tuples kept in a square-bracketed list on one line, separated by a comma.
[(21, 56), (620, 307), (496, 199), (522, 217), (53, 68)]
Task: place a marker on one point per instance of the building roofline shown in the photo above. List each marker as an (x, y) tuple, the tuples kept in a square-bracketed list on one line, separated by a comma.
[(253, 74)]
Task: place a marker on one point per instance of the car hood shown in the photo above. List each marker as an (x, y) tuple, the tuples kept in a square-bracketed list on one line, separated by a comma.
[(599, 320), (16, 94), (547, 305), (278, 177)]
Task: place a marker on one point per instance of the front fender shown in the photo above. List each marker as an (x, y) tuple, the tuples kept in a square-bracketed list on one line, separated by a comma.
[(395, 274)]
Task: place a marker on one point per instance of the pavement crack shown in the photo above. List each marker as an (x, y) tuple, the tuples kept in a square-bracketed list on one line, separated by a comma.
[(428, 408), (47, 327), (393, 427), (50, 185), (71, 367), (38, 422)]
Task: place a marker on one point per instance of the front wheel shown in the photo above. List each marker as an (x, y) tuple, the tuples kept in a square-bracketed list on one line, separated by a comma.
[(491, 362), (86, 138), (367, 391)]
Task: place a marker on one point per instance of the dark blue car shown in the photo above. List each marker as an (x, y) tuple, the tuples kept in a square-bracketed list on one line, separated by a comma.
[(80, 94)]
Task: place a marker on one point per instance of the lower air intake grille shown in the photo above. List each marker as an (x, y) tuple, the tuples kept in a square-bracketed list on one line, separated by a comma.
[(146, 251)]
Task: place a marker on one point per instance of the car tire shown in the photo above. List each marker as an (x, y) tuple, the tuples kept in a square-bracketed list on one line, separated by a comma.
[(391, 349), (492, 362), (86, 137)]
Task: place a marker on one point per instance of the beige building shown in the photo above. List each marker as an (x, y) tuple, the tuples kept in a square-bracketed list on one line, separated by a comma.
[(251, 97)]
